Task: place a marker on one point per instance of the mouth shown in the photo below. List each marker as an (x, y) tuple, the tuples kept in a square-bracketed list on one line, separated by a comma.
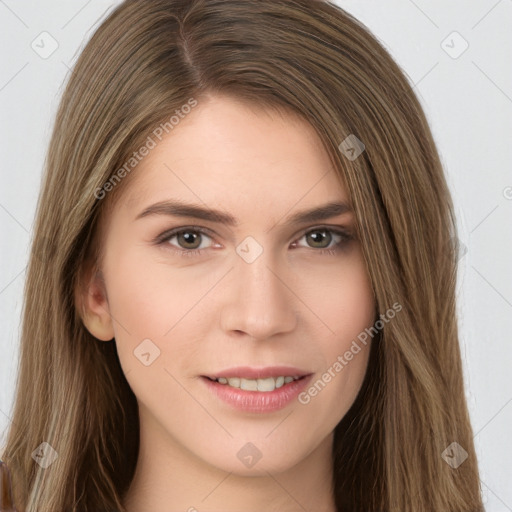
[(258, 390)]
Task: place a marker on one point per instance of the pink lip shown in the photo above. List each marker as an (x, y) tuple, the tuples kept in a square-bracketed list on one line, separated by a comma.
[(260, 373), (258, 401)]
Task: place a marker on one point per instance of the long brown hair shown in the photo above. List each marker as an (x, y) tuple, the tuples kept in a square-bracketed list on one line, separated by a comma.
[(311, 58)]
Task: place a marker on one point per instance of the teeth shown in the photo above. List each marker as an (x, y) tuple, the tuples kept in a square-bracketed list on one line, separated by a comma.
[(234, 382), (268, 384), (249, 384)]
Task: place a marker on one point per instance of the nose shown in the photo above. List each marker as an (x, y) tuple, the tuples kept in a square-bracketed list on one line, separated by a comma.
[(260, 301)]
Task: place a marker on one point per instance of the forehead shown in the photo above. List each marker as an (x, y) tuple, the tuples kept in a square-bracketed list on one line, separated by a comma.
[(229, 149)]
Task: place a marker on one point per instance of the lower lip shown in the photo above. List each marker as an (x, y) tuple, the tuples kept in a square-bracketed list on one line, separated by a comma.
[(258, 401)]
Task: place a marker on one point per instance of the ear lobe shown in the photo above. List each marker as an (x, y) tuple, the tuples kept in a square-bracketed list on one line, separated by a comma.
[(93, 307)]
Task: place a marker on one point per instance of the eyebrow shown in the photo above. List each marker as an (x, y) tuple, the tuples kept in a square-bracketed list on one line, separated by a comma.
[(182, 209)]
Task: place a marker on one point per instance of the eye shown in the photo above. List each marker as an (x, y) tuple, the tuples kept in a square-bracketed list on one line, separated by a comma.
[(322, 237), (189, 240)]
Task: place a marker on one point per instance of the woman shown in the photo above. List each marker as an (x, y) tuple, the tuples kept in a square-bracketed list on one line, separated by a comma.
[(256, 369)]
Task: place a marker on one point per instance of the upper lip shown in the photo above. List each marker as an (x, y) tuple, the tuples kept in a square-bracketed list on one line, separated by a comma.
[(259, 373)]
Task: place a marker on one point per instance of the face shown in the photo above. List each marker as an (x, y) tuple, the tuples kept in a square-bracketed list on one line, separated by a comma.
[(189, 297)]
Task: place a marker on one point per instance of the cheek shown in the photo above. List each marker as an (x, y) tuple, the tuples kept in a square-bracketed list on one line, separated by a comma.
[(347, 306), (343, 300), (151, 300), (150, 295)]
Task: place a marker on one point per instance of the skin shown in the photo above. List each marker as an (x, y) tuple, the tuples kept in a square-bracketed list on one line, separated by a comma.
[(292, 305)]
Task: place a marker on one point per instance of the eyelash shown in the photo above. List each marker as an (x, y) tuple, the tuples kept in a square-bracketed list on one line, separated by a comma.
[(167, 235)]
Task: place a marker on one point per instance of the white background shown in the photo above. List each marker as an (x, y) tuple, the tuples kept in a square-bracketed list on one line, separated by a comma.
[(467, 100)]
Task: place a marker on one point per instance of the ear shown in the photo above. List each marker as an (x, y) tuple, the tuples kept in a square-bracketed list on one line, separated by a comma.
[(92, 303)]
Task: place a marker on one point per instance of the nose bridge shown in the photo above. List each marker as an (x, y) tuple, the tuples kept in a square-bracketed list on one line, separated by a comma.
[(262, 304)]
